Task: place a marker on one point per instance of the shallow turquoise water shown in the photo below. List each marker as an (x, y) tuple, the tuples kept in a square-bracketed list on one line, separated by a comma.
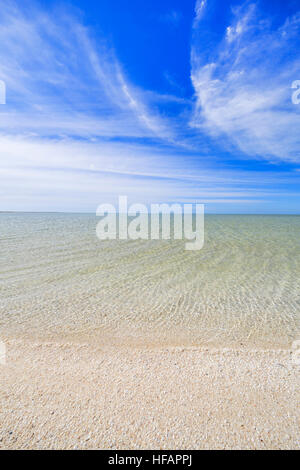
[(58, 281)]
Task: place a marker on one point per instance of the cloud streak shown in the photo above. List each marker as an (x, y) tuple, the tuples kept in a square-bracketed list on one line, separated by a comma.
[(243, 89), (82, 175), (76, 131), (60, 81)]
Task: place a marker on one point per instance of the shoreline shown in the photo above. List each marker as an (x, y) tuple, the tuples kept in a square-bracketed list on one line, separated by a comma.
[(68, 396)]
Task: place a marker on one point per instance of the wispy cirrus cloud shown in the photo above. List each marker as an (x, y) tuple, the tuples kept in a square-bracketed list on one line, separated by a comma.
[(199, 10), (76, 131), (70, 175), (243, 86), (60, 81), (172, 17), (69, 105)]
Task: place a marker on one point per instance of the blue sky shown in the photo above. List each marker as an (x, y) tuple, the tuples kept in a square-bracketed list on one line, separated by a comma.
[(174, 101)]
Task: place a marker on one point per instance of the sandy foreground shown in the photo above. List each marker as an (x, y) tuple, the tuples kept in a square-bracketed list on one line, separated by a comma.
[(72, 396)]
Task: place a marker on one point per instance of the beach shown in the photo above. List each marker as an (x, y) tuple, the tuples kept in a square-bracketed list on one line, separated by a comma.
[(143, 345), (150, 227), (73, 396)]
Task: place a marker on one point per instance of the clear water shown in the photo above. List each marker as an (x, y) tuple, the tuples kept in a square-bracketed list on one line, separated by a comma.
[(58, 281)]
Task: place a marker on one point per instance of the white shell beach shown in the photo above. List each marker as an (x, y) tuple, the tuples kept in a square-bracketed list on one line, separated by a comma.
[(141, 345)]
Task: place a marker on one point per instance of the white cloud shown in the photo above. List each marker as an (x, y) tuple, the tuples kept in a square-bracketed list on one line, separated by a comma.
[(68, 175), (200, 10), (244, 92), (244, 21), (71, 113), (58, 80)]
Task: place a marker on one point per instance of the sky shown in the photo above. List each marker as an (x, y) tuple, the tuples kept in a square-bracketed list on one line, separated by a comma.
[(173, 101)]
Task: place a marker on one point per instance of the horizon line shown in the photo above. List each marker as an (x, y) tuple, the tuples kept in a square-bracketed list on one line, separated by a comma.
[(94, 213)]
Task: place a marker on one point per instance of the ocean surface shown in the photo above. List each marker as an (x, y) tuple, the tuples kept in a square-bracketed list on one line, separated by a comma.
[(59, 282)]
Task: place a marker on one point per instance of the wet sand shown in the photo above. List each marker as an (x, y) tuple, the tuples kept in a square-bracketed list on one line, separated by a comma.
[(75, 396)]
